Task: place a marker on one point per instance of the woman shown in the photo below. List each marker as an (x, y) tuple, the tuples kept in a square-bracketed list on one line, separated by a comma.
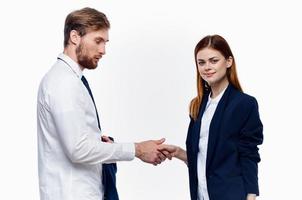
[(225, 129)]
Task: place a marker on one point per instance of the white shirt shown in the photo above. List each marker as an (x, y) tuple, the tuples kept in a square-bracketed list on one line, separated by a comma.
[(203, 145), (70, 151)]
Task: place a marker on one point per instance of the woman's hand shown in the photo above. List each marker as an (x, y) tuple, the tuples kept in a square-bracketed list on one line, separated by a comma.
[(173, 151)]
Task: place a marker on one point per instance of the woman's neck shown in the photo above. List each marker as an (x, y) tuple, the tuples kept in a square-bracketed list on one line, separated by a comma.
[(216, 89)]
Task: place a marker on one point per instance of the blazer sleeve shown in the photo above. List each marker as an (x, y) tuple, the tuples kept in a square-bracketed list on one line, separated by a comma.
[(251, 135)]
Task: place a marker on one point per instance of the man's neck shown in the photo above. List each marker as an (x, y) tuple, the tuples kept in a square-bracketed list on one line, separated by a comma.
[(70, 52)]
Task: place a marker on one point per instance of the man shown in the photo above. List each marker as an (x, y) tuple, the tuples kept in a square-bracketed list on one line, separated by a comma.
[(70, 152)]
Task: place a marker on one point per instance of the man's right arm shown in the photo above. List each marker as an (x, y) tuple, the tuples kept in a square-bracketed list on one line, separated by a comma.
[(80, 146)]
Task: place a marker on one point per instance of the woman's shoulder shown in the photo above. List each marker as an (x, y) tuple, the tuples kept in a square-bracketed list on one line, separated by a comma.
[(242, 98)]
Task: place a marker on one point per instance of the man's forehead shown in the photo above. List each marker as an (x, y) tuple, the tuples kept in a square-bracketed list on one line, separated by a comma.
[(102, 33)]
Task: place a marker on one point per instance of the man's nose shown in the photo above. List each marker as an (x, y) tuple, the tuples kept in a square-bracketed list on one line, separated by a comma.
[(102, 49)]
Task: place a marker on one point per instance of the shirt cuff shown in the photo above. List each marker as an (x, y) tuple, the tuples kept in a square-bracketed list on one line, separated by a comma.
[(128, 151)]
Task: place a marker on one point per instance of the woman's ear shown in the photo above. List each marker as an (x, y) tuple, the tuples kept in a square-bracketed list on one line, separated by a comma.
[(229, 62)]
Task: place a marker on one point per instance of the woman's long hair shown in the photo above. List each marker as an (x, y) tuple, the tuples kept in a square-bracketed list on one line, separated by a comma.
[(218, 43)]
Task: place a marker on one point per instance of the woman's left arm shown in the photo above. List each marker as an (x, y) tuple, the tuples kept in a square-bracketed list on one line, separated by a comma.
[(250, 136)]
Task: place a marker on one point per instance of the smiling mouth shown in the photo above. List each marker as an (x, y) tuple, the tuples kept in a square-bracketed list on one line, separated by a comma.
[(209, 74)]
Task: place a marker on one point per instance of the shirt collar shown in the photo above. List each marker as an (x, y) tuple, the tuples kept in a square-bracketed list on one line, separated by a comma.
[(75, 67)]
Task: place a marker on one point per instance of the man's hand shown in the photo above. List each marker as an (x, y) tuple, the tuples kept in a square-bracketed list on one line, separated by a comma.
[(148, 151), (105, 138)]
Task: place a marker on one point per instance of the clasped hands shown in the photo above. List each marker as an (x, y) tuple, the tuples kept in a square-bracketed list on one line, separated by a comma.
[(155, 152)]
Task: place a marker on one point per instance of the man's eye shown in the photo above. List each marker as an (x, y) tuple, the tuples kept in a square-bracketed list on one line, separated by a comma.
[(99, 41)]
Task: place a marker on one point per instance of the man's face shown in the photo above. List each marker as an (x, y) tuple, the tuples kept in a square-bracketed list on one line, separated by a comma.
[(91, 48)]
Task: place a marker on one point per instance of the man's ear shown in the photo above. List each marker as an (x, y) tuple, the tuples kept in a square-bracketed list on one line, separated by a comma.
[(74, 37)]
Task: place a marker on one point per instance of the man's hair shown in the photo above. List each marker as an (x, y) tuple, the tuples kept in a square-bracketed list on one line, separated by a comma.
[(83, 21)]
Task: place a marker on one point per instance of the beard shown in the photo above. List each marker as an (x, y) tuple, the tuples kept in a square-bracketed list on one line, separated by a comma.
[(83, 58)]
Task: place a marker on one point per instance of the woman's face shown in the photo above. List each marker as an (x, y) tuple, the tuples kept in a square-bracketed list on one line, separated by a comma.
[(212, 66)]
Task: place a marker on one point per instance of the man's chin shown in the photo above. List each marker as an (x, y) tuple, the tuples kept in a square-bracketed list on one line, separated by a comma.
[(88, 64), (94, 66)]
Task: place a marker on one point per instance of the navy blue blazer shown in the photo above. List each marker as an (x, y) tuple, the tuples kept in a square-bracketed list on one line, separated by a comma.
[(232, 156)]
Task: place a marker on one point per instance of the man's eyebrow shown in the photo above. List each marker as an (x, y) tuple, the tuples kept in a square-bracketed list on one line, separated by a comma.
[(101, 38)]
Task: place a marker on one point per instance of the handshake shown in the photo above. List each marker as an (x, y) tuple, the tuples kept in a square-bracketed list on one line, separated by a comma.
[(155, 152)]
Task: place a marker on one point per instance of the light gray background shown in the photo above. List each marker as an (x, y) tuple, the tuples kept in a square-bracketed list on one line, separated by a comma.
[(144, 84)]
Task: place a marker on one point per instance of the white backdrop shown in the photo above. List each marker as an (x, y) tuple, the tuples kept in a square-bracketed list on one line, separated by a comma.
[(144, 84)]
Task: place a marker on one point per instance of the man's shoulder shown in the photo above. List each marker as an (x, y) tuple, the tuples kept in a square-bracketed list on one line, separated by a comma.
[(59, 79)]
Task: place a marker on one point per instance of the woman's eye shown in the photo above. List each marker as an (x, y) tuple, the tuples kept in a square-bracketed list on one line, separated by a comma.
[(201, 63), (214, 61)]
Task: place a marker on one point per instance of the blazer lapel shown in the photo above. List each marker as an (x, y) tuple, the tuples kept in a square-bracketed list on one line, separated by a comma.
[(216, 125), (195, 134)]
